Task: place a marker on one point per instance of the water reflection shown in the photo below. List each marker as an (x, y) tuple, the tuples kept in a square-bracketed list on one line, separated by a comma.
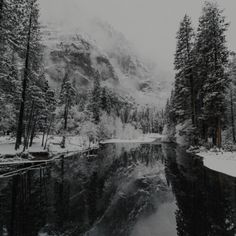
[(205, 199), (126, 189), (23, 204)]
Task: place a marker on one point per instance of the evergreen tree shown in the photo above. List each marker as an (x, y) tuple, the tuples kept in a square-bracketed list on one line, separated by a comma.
[(212, 55), (67, 99), (47, 117), (184, 79), (9, 97), (30, 41), (95, 100), (170, 118), (34, 109), (232, 94), (10, 29), (105, 100)]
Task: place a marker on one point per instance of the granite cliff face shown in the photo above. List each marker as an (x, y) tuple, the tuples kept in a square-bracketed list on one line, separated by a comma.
[(102, 52)]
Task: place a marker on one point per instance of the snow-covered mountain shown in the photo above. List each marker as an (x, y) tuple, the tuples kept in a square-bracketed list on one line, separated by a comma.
[(98, 48)]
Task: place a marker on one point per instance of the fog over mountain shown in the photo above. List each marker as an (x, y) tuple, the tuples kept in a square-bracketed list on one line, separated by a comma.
[(145, 27), (137, 75), (151, 25)]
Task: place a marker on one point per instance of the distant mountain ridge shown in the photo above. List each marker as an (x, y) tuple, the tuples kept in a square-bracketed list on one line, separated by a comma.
[(100, 50)]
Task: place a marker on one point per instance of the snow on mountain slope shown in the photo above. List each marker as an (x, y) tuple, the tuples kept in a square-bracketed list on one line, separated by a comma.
[(82, 52)]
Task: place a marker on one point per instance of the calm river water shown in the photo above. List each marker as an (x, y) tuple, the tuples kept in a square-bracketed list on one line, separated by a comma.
[(123, 190)]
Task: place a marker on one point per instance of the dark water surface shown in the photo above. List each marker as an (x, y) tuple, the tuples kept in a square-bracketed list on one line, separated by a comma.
[(125, 190)]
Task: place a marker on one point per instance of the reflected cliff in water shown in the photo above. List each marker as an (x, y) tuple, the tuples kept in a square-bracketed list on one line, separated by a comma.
[(125, 189)]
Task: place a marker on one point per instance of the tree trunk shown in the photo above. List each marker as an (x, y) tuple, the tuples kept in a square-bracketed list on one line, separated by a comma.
[(65, 117), (43, 137), (63, 142), (214, 137), (33, 132), (26, 143), (48, 132), (204, 132), (24, 87), (218, 133), (193, 107), (232, 115), (44, 132)]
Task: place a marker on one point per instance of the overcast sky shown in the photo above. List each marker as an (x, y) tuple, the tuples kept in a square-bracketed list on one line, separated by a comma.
[(151, 25)]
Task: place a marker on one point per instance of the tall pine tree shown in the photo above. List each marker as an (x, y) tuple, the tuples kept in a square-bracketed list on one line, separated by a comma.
[(184, 65), (95, 100), (232, 95), (67, 99), (30, 38), (212, 56)]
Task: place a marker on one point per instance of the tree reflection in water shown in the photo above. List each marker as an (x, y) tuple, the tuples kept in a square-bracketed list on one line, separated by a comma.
[(206, 200), (110, 193)]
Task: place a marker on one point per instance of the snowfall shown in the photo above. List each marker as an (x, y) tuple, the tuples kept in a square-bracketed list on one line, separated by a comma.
[(224, 162)]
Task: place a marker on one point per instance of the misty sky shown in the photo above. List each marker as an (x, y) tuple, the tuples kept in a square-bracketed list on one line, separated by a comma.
[(151, 25)]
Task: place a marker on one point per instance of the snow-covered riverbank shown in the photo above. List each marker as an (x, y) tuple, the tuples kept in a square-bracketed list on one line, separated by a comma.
[(146, 138), (73, 144), (224, 162)]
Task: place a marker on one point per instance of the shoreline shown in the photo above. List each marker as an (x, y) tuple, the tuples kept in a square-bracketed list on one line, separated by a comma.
[(51, 157), (36, 153), (223, 162), (146, 138)]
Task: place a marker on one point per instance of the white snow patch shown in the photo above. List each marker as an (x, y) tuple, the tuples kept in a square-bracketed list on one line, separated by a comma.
[(224, 162), (147, 138), (73, 144), (7, 146)]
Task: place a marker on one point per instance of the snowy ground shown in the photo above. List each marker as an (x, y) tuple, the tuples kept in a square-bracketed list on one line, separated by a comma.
[(73, 144), (146, 138), (224, 162), (7, 146)]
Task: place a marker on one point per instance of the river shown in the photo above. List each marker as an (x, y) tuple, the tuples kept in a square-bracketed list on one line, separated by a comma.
[(121, 190)]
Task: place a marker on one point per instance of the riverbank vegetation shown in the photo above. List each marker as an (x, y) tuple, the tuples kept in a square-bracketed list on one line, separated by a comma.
[(201, 109), (31, 107)]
